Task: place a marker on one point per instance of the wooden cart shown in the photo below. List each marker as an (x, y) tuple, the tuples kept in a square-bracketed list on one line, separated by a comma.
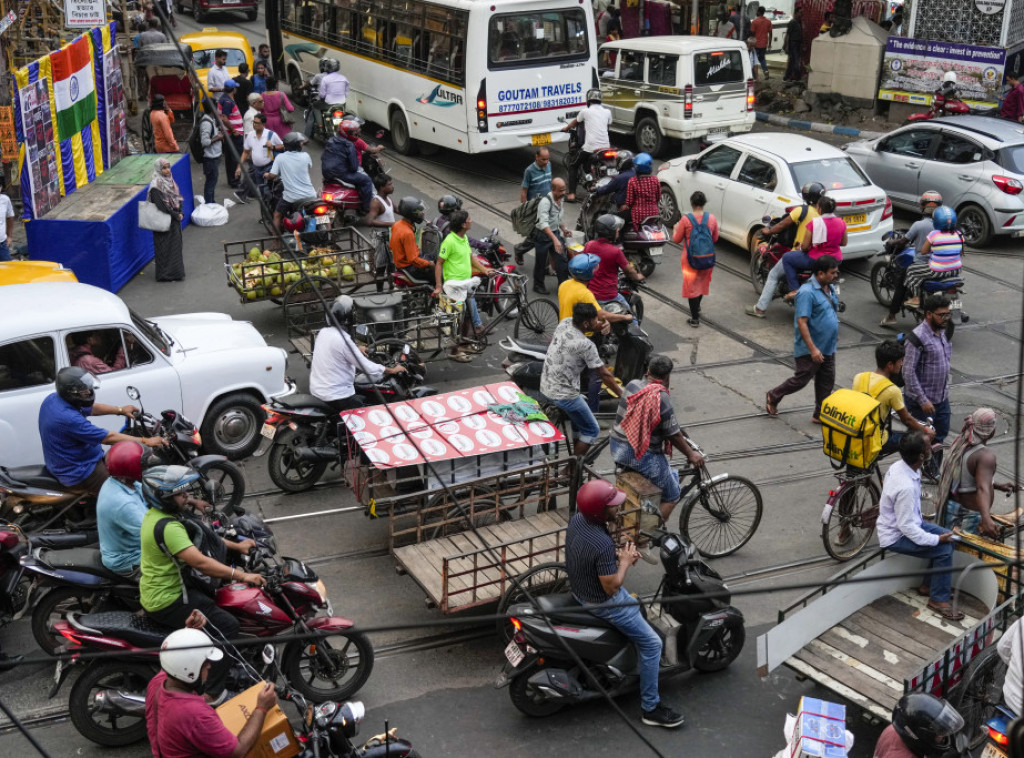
[(868, 636)]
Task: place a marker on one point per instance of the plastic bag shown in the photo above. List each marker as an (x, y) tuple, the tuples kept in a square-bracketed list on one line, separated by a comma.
[(210, 214)]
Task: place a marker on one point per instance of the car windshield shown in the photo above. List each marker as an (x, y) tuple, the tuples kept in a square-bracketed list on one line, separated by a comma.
[(153, 333), (834, 173), (1012, 158), (204, 58)]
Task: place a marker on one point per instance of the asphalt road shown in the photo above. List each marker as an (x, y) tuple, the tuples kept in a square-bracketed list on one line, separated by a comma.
[(439, 694)]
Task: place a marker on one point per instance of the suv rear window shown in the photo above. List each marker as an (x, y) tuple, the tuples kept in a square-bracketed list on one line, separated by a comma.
[(722, 67), (1012, 158), (834, 173)]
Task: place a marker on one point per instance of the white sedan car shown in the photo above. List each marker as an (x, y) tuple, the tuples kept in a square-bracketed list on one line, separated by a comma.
[(751, 176), (215, 370)]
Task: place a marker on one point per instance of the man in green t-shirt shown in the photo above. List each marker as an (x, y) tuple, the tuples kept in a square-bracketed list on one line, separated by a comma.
[(453, 273), (879, 384), (163, 592)]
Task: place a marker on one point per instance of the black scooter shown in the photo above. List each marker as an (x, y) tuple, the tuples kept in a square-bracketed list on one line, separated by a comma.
[(643, 246), (690, 612)]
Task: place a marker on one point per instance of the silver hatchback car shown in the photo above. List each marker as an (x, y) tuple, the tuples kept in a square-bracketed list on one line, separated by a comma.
[(976, 163)]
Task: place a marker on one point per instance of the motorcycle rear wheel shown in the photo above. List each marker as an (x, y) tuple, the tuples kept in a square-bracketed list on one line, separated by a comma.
[(723, 648), (302, 666), (55, 605), (286, 470), (111, 674), (530, 700), (758, 268), (644, 265)]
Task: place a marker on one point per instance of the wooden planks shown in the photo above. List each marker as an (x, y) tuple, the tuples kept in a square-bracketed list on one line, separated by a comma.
[(425, 561)]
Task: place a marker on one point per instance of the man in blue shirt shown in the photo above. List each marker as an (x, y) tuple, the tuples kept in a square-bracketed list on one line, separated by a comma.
[(536, 183), (617, 186), (72, 446), (814, 343), (120, 509)]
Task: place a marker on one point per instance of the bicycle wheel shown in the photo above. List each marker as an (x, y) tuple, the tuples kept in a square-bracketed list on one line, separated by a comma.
[(536, 321), (978, 694), (851, 521), (722, 517)]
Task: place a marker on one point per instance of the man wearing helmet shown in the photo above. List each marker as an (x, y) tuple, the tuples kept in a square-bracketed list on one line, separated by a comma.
[(617, 186), (403, 241), (595, 120), (317, 109), (597, 572), (120, 509), (605, 282), (337, 359), (180, 723), (446, 206), (575, 290), (642, 192), (333, 88), (168, 554), (293, 167), (915, 238), (940, 252), (340, 163), (73, 447), (923, 726)]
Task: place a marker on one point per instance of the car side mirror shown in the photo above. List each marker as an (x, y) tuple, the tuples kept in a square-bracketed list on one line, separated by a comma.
[(691, 165)]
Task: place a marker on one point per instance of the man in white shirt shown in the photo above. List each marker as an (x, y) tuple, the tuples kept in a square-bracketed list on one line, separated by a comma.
[(217, 75), (336, 359), (1011, 650), (333, 87), (7, 229), (255, 101), (259, 149), (902, 529), (594, 119)]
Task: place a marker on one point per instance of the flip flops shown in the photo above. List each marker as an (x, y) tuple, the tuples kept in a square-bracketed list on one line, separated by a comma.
[(769, 406), (947, 611)]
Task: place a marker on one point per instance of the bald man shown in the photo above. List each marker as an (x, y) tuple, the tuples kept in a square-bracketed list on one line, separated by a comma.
[(549, 236)]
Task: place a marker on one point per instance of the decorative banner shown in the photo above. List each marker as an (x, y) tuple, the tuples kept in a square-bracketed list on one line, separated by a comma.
[(912, 70), (6, 21), (83, 14), (8, 142), (117, 119), (73, 88), (39, 169)]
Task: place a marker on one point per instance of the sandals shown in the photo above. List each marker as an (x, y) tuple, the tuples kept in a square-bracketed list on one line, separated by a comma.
[(924, 590), (751, 310), (947, 612), (769, 406), (460, 358)]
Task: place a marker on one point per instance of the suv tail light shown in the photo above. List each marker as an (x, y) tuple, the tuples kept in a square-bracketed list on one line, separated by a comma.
[(750, 94), (481, 107), (1008, 184), (887, 211), (688, 101)]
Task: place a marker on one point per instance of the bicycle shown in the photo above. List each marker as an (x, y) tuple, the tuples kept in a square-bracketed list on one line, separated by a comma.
[(536, 320), (848, 519)]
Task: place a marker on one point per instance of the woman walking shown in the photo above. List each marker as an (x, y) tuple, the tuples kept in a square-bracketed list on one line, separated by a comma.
[(164, 194), (696, 282), (825, 235), (274, 105)]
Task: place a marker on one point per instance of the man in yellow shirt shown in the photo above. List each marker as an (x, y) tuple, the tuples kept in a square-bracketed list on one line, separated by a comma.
[(801, 217), (879, 384)]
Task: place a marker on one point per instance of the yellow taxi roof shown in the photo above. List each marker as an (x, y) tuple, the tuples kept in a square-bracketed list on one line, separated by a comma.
[(211, 39), (27, 272)]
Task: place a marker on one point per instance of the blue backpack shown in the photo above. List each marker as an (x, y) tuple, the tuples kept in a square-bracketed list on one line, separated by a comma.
[(700, 250)]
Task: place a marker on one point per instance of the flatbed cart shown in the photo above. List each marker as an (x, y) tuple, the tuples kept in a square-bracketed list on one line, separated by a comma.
[(873, 640)]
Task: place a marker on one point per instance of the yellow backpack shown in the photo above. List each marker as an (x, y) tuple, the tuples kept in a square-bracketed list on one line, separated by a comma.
[(851, 426)]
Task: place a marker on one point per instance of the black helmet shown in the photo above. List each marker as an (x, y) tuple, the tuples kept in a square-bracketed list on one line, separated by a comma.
[(812, 192), (593, 96), (608, 225), (333, 65), (294, 141), (77, 386), (341, 308), (412, 209), (161, 483), (323, 65), (926, 724), (624, 161), (448, 204)]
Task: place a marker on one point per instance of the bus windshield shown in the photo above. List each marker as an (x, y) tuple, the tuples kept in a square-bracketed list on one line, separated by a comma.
[(529, 37)]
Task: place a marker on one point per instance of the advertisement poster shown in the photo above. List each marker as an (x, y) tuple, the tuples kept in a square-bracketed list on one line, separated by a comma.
[(912, 70), (117, 119), (84, 14), (8, 142), (41, 164)]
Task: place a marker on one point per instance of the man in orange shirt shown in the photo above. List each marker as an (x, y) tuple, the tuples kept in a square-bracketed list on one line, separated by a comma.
[(161, 117), (761, 29), (403, 241)]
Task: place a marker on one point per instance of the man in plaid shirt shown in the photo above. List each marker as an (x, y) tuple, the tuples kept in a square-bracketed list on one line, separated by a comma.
[(926, 369)]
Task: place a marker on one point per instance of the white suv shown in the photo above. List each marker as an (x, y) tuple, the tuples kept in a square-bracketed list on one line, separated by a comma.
[(215, 370)]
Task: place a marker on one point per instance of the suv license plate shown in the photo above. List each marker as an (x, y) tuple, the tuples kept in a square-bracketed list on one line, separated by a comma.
[(513, 653), (268, 431), (656, 251), (541, 139)]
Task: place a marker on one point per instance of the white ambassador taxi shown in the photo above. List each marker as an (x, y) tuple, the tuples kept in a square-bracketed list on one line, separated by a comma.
[(215, 370), (751, 176)]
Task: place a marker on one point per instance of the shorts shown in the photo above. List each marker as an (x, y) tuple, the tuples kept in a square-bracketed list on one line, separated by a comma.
[(653, 465)]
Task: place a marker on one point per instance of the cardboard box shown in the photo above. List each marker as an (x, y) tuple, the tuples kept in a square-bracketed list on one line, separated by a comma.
[(805, 747), (820, 730), (276, 740)]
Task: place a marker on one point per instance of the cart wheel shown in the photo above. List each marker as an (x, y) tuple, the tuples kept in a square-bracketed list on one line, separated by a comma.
[(544, 579), (978, 694), (453, 521), (304, 303)]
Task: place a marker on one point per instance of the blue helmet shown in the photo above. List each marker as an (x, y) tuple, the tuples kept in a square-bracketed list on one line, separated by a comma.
[(643, 163), (161, 483), (583, 266), (944, 218)]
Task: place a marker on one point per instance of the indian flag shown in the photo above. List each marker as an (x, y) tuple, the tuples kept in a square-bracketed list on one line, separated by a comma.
[(73, 91)]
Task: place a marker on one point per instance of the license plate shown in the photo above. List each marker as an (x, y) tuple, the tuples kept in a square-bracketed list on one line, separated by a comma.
[(719, 130), (656, 251), (991, 751), (956, 305), (232, 2), (541, 139), (268, 431), (513, 654), (613, 172), (856, 218), (57, 672)]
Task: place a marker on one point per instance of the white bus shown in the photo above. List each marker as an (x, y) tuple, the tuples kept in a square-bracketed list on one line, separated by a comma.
[(469, 75)]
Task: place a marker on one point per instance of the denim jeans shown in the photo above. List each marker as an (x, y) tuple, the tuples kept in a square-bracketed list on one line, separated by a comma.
[(628, 620), (5, 251), (794, 262), (771, 284), (940, 420), (211, 167), (939, 556), (543, 248), (474, 312), (582, 418), (619, 298)]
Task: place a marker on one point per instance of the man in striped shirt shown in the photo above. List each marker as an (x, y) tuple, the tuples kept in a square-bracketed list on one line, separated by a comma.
[(233, 122)]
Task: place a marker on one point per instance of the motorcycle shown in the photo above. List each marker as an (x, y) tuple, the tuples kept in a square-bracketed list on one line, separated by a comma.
[(107, 701), (950, 104), (315, 215), (643, 246), (33, 499), (997, 741), (698, 632), (767, 254), (886, 273), (491, 253), (344, 197), (325, 120), (301, 431), (328, 729)]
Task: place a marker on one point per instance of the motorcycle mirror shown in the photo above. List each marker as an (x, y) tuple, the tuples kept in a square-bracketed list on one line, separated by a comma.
[(766, 220), (962, 743), (268, 654), (494, 232), (406, 350), (353, 711), (133, 392)]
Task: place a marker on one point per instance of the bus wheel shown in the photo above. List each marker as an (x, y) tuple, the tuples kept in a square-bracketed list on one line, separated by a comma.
[(400, 134)]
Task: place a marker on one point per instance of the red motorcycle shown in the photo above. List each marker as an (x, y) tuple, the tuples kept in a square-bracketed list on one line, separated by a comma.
[(767, 253), (108, 700), (946, 103), (344, 197)]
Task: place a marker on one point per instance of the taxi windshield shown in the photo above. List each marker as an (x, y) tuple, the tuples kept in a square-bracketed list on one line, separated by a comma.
[(204, 58), (834, 173)]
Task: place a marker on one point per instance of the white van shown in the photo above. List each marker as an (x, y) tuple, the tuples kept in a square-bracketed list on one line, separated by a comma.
[(677, 88)]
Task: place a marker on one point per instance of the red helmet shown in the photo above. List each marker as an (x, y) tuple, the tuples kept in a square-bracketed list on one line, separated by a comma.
[(594, 496), (124, 460), (349, 128)]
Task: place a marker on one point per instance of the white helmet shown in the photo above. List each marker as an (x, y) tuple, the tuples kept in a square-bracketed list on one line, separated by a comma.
[(185, 651), (949, 76)]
